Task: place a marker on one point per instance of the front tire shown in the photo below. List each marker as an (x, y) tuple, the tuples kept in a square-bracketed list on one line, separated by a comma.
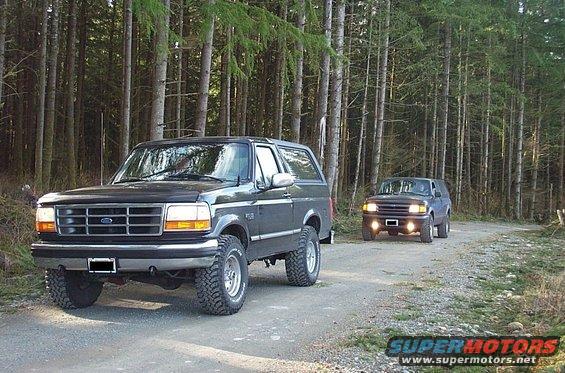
[(427, 230), (368, 234), (72, 289), (222, 288), (443, 228), (303, 264)]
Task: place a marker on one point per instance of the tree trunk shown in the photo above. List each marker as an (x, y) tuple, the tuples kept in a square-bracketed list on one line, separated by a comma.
[(535, 157), (225, 94), (280, 81), (126, 81), (262, 75), (51, 94), (160, 74), (322, 108), (520, 133), (179, 75), (297, 88), (510, 153), (463, 127), (343, 167), (3, 15), (42, 83), (336, 97), (378, 145), (81, 69), (485, 162), (562, 162), (204, 85), (70, 78), (364, 114), (445, 102)]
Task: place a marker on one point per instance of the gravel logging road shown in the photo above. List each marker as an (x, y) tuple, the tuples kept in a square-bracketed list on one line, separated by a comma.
[(143, 327)]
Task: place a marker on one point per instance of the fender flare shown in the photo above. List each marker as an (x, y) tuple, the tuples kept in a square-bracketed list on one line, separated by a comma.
[(227, 220), (310, 213)]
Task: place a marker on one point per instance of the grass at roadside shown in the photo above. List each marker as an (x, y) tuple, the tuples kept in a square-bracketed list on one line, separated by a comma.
[(19, 278), (348, 226), (524, 292)]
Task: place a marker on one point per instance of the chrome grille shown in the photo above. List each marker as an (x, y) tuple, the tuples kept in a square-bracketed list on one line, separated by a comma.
[(393, 208), (110, 220)]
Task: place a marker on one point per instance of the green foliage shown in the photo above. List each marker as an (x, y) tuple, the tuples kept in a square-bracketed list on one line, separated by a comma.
[(255, 29)]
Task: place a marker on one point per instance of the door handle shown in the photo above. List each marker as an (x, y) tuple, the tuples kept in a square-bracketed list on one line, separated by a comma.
[(287, 195)]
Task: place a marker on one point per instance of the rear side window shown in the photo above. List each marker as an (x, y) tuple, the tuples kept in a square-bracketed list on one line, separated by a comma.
[(300, 164), (443, 188)]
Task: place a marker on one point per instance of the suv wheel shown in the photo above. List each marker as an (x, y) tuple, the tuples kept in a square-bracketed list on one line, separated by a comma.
[(368, 234), (221, 288), (443, 228), (427, 231), (72, 289), (303, 264)]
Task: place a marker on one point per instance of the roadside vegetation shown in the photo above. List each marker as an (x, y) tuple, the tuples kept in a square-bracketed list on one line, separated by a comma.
[(511, 285), (19, 278), (524, 292)]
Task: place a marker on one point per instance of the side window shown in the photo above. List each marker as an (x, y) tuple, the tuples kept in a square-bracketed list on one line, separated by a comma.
[(433, 188), (300, 164), (267, 163)]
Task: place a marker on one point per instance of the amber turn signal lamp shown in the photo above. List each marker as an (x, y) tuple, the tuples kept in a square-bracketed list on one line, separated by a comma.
[(184, 225), (45, 227)]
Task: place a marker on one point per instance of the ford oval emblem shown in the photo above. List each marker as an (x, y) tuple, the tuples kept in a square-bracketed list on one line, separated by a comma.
[(106, 221)]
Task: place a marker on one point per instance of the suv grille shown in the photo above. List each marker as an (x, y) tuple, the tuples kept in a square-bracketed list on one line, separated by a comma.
[(393, 208), (110, 220)]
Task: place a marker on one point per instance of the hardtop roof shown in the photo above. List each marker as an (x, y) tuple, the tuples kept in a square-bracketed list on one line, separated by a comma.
[(236, 139)]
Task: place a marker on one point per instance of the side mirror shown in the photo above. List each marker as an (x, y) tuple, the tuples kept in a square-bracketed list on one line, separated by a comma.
[(282, 180), (437, 194)]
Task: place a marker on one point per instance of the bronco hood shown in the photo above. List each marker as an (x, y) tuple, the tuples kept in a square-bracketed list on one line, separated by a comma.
[(399, 198), (135, 192)]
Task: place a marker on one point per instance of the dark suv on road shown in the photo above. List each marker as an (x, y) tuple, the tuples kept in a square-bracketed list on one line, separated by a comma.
[(188, 210), (408, 205)]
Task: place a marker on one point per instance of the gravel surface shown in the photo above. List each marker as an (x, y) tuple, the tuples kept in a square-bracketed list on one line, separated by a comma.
[(390, 284), (427, 305)]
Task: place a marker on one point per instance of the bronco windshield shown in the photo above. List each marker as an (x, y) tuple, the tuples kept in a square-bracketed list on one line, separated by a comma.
[(189, 161), (406, 186)]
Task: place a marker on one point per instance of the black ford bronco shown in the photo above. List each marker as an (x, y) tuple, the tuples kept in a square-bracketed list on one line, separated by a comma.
[(408, 205), (188, 210)]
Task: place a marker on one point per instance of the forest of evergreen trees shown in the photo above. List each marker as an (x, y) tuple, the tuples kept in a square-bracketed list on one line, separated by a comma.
[(471, 91)]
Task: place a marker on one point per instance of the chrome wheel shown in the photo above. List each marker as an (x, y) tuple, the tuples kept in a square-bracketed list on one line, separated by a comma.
[(311, 256), (232, 275), (431, 229)]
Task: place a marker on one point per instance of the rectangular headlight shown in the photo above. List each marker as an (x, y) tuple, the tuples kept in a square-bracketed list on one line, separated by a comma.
[(45, 220), (417, 209), (188, 217), (370, 207)]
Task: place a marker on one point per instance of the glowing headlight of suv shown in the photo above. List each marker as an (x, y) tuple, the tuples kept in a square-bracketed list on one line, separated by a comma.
[(417, 209), (370, 207), (188, 217), (45, 220)]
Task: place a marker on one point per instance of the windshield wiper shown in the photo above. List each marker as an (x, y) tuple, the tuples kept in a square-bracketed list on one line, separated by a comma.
[(189, 175)]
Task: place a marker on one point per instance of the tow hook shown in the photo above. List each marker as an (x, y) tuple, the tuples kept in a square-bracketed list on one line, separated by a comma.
[(152, 271)]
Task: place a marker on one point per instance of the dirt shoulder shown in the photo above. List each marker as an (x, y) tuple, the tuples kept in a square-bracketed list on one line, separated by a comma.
[(510, 283)]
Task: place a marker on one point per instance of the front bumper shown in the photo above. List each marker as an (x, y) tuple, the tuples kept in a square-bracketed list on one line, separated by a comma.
[(129, 257), (403, 221)]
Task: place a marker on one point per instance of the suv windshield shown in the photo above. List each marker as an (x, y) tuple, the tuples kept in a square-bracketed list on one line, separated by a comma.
[(406, 186), (192, 161)]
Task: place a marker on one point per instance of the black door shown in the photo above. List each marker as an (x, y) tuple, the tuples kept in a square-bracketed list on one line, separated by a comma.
[(275, 206)]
